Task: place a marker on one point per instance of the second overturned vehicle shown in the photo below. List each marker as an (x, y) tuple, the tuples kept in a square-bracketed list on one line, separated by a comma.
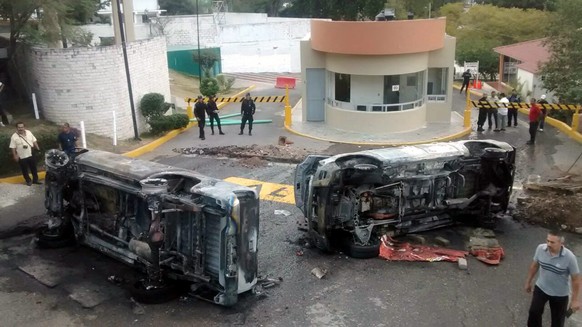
[(350, 200)]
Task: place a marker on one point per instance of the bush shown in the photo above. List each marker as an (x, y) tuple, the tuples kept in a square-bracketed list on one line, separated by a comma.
[(164, 124), (46, 140), (562, 115), (209, 87), (225, 83), (152, 106)]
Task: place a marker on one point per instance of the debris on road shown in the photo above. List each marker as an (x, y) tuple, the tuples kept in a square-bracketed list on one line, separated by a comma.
[(484, 246), (393, 250), (319, 272), (442, 241), (299, 253), (551, 204), (285, 213), (275, 153), (137, 308), (462, 263)]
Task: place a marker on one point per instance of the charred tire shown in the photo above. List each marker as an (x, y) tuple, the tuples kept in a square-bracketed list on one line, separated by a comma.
[(54, 239), (358, 251), (494, 153), (170, 291)]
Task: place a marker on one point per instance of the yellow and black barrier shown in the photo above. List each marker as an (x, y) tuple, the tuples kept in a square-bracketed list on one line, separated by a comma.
[(522, 105), (276, 99)]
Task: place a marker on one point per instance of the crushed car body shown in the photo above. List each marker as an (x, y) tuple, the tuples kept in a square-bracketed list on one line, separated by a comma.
[(172, 223), (350, 200)]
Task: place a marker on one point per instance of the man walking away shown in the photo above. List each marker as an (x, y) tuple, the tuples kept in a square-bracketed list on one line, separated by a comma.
[(542, 102), (212, 111), (492, 113), (534, 120), (466, 79), (482, 113), (21, 144), (67, 139), (247, 110), (502, 112), (200, 114), (513, 98), (558, 265)]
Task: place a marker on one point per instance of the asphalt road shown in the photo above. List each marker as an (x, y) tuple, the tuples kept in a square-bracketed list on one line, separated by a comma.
[(353, 293)]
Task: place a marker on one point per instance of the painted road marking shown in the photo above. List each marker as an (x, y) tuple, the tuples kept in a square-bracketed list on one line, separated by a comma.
[(267, 191)]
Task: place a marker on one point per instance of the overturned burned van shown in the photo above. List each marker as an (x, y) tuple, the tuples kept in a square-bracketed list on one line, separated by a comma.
[(174, 224), (350, 200)]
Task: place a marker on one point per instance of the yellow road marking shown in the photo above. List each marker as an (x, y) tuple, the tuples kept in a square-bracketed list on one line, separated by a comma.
[(267, 191)]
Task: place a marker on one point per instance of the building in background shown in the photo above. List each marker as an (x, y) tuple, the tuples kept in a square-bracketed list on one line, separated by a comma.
[(377, 77), (519, 65)]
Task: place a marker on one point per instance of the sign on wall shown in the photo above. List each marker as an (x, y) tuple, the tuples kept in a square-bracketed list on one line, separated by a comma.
[(395, 88)]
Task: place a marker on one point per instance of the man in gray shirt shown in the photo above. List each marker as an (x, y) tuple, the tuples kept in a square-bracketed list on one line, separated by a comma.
[(558, 265)]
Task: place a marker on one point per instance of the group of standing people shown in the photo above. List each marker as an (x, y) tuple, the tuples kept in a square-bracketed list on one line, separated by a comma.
[(201, 109), (506, 117)]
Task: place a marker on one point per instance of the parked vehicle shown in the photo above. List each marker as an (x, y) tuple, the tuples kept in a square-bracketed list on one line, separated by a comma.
[(173, 224), (350, 200)]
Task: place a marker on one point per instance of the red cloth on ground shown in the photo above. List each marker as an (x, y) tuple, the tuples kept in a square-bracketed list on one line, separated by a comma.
[(393, 250), (490, 256)]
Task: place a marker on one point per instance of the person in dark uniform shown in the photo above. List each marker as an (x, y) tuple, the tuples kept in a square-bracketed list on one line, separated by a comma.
[(247, 110), (212, 111), (466, 79), (200, 114), (482, 113), (542, 101)]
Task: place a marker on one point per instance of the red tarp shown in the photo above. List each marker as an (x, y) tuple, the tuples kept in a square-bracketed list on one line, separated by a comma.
[(393, 250)]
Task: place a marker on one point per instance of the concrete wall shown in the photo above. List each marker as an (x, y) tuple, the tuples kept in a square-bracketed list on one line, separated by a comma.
[(375, 122), (87, 84), (249, 42), (377, 65), (367, 89), (441, 111)]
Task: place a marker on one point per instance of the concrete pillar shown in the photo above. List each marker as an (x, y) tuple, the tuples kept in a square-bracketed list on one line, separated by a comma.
[(127, 12), (128, 19), (115, 21)]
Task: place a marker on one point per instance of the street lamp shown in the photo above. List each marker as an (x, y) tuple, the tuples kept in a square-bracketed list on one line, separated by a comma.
[(126, 62)]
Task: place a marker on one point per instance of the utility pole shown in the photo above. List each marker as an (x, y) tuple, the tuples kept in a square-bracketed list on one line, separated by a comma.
[(126, 62)]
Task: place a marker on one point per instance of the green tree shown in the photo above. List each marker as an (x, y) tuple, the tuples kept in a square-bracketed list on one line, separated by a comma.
[(485, 27), (524, 4), (178, 7), (207, 59), (563, 72)]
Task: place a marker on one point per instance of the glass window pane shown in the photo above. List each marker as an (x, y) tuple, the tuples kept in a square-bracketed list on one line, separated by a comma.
[(342, 87), (437, 81)]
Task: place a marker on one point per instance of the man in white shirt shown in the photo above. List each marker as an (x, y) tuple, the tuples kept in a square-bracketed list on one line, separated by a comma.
[(503, 111), (21, 144)]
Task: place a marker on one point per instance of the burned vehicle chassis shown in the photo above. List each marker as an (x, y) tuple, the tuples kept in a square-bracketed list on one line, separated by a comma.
[(350, 200), (173, 224)]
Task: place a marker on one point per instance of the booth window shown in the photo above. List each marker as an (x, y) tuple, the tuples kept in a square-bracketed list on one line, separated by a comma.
[(342, 87)]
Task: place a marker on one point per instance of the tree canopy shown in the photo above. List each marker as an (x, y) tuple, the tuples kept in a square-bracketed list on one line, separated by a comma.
[(484, 27), (563, 73), (524, 4)]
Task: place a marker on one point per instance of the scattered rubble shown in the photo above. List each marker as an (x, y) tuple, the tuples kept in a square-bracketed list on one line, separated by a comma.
[(285, 213), (462, 263), (319, 272), (277, 153), (553, 204), (484, 246), (442, 241)]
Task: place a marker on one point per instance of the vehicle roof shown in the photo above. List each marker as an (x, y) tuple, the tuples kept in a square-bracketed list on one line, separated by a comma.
[(128, 167)]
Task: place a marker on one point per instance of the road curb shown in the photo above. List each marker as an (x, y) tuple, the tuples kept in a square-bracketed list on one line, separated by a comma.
[(139, 151)]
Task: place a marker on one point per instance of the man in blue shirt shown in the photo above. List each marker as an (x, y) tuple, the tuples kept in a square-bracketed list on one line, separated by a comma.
[(67, 139), (558, 265)]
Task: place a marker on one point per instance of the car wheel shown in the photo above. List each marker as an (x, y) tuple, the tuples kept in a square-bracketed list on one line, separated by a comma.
[(54, 238), (156, 295), (358, 251)]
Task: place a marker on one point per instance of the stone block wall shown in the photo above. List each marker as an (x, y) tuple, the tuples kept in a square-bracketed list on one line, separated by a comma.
[(87, 84)]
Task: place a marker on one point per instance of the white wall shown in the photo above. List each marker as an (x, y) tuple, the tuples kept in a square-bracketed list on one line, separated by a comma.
[(86, 84), (367, 89), (138, 5), (249, 42)]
